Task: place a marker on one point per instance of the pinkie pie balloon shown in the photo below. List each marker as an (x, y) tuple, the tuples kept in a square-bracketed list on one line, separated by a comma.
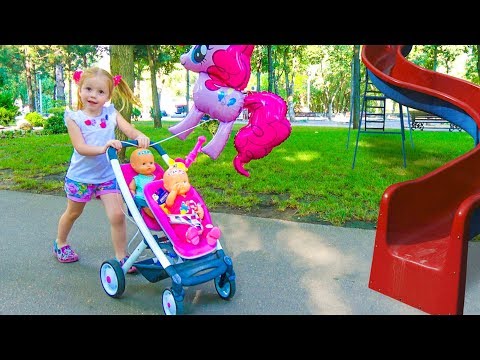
[(223, 73)]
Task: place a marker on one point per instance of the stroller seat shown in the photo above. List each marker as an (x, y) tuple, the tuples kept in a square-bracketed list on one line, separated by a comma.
[(172, 256), (128, 174), (181, 247)]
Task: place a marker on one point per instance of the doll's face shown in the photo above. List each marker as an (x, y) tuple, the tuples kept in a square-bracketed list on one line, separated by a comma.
[(143, 163), (176, 180)]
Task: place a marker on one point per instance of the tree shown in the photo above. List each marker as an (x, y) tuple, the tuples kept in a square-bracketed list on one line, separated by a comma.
[(160, 60), (121, 62)]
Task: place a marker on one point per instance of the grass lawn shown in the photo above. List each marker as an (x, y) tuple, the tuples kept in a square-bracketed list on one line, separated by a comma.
[(308, 178)]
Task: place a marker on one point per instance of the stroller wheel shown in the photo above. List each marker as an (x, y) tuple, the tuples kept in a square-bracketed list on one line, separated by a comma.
[(170, 305), (112, 278), (225, 287)]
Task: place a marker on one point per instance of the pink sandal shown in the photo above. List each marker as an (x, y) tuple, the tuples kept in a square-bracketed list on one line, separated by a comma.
[(65, 254), (132, 269)]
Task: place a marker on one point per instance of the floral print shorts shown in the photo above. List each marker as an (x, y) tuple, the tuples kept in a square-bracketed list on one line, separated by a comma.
[(81, 192)]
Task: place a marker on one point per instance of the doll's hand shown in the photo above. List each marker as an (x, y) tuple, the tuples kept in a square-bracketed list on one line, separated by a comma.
[(178, 187), (199, 211)]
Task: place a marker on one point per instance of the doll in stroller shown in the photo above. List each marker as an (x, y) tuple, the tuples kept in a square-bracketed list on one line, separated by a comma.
[(186, 263)]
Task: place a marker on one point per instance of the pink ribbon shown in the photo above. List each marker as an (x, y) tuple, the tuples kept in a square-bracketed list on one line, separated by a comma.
[(77, 75), (116, 80)]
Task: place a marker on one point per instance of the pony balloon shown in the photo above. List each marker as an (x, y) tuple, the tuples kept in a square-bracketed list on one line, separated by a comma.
[(223, 72)]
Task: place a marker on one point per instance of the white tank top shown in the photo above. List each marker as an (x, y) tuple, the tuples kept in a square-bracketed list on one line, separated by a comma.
[(96, 131)]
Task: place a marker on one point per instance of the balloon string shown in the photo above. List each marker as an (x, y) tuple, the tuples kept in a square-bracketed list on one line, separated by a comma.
[(181, 132)]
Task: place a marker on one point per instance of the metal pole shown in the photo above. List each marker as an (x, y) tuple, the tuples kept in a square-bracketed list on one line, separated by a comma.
[(188, 91), (40, 91)]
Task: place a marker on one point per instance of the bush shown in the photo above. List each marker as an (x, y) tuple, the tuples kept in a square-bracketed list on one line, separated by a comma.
[(211, 125), (6, 116), (162, 113), (35, 119), (136, 114), (8, 102), (56, 123)]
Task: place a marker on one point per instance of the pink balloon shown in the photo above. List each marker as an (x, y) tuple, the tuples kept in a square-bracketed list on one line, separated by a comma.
[(224, 71)]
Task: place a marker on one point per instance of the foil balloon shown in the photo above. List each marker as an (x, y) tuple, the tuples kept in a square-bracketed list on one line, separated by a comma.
[(223, 73)]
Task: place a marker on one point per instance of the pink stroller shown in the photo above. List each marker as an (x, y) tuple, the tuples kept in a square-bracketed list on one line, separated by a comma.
[(186, 264)]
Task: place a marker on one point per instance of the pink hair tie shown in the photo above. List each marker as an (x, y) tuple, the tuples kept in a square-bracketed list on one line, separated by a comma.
[(116, 80), (76, 75)]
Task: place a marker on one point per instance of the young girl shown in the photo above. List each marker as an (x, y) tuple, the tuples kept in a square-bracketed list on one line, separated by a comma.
[(90, 175)]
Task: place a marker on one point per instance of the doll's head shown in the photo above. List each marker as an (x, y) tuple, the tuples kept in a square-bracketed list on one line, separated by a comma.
[(142, 161), (176, 177)]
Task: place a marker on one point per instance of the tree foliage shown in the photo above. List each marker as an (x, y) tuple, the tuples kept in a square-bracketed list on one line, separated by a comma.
[(316, 78)]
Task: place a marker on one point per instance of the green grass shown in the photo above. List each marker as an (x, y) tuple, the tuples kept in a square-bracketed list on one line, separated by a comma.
[(309, 177)]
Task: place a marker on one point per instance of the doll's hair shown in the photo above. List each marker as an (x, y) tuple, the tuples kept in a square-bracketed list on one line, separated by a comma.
[(119, 91), (137, 153), (176, 167)]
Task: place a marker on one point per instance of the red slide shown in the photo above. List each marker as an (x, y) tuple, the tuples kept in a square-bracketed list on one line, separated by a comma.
[(424, 225)]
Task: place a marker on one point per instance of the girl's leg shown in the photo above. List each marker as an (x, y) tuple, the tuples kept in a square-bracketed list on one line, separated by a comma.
[(113, 203), (72, 213)]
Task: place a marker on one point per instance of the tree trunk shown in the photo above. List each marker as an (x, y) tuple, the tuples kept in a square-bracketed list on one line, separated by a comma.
[(59, 84), (70, 102), (28, 73), (435, 57), (157, 122), (270, 68), (478, 60), (121, 62), (288, 89)]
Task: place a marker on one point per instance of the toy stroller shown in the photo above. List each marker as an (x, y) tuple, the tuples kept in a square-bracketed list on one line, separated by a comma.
[(186, 264)]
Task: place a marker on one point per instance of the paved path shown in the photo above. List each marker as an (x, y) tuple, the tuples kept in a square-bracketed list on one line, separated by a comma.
[(282, 268)]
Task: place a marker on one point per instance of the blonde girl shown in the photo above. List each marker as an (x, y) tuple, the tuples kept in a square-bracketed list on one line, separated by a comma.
[(90, 176)]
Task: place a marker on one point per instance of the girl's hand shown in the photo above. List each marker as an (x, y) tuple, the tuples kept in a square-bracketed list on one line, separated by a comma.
[(117, 144), (143, 141)]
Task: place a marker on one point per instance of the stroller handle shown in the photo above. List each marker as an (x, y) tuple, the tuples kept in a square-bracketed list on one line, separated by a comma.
[(112, 152)]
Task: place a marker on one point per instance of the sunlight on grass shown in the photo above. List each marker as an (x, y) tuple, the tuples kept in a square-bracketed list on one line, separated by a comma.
[(310, 173), (303, 156)]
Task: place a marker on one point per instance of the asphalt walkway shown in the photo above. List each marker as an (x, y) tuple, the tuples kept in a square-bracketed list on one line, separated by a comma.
[(282, 268)]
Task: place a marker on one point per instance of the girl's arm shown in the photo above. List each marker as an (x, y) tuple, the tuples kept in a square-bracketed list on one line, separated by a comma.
[(131, 132), (84, 149)]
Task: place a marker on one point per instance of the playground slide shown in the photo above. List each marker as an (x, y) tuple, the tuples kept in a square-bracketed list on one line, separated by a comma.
[(424, 225)]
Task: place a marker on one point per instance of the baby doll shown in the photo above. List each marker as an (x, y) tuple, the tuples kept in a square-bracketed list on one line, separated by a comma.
[(185, 214), (143, 162)]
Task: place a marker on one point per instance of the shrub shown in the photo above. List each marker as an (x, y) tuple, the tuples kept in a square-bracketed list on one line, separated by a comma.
[(6, 116), (56, 123), (35, 119), (211, 125), (8, 102), (136, 114), (162, 113)]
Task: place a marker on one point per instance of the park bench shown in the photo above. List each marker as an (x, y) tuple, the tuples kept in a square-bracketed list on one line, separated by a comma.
[(423, 120), (303, 114)]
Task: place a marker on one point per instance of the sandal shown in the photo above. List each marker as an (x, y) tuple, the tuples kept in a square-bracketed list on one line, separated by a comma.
[(132, 269), (65, 254)]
